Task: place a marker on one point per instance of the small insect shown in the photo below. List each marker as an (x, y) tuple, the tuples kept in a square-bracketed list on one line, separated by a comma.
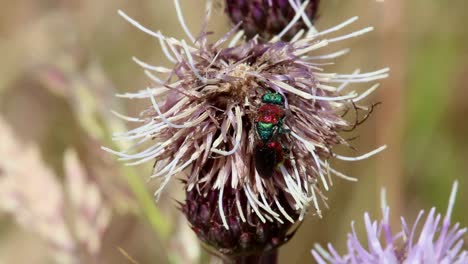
[(270, 117), (269, 152)]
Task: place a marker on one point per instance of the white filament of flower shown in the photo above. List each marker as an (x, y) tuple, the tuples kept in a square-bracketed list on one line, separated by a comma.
[(309, 96), (339, 174), (175, 51), (315, 201), (327, 87), (127, 118), (307, 186), (298, 179), (345, 84), (156, 80), (304, 16), (311, 148), (254, 206), (329, 56), (261, 205), (239, 209), (336, 28), (238, 125), (353, 78), (292, 23), (226, 36), (269, 209), (236, 39), (180, 16), (151, 67), (363, 156), (298, 195), (351, 35), (221, 207), (139, 26), (290, 188), (298, 35), (165, 50), (166, 121), (191, 63), (235, 172), (285, 214), (366, 93), (306, 47)]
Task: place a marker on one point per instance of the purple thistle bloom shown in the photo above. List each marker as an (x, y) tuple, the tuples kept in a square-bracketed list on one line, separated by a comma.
[(438, 242), (202, 126)]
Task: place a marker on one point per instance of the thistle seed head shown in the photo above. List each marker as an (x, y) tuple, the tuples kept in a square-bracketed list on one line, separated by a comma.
[(203, 128), (268, 18)]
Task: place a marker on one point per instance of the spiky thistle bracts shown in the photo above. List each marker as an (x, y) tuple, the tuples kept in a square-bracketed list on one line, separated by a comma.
[(204, 124), (246, 235)]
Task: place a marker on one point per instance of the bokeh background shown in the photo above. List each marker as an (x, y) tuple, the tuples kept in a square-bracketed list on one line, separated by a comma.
[(63, 60)]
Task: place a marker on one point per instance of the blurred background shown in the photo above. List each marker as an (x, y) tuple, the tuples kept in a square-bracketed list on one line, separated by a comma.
[(62, 61)]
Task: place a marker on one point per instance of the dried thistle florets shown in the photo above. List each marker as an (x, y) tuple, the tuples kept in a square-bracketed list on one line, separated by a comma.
[(205, 126), (268, 18)]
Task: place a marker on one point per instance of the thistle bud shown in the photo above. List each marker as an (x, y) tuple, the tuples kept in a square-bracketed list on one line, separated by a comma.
[(268, 18), (245, 234)]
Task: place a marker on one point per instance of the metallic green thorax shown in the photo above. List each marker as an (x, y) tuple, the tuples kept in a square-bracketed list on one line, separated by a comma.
[(265, 130), (273, 98)]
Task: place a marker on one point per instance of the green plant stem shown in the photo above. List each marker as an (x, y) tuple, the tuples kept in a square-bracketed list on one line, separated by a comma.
[(160, 225), (147, 204)]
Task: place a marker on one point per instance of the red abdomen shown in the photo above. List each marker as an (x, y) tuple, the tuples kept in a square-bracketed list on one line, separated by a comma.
[(267, 157)]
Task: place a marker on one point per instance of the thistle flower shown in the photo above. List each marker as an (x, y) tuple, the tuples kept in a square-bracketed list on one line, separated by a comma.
[(268, 18), (206, 128), (438, 242)]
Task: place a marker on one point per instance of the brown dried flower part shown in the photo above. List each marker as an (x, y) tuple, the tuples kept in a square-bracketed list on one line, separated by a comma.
[(203, 128), (268, 18)]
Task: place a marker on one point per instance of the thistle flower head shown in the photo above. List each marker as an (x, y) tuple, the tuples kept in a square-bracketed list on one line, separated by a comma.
[(268, 18), (438, 241), (211, 123)]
